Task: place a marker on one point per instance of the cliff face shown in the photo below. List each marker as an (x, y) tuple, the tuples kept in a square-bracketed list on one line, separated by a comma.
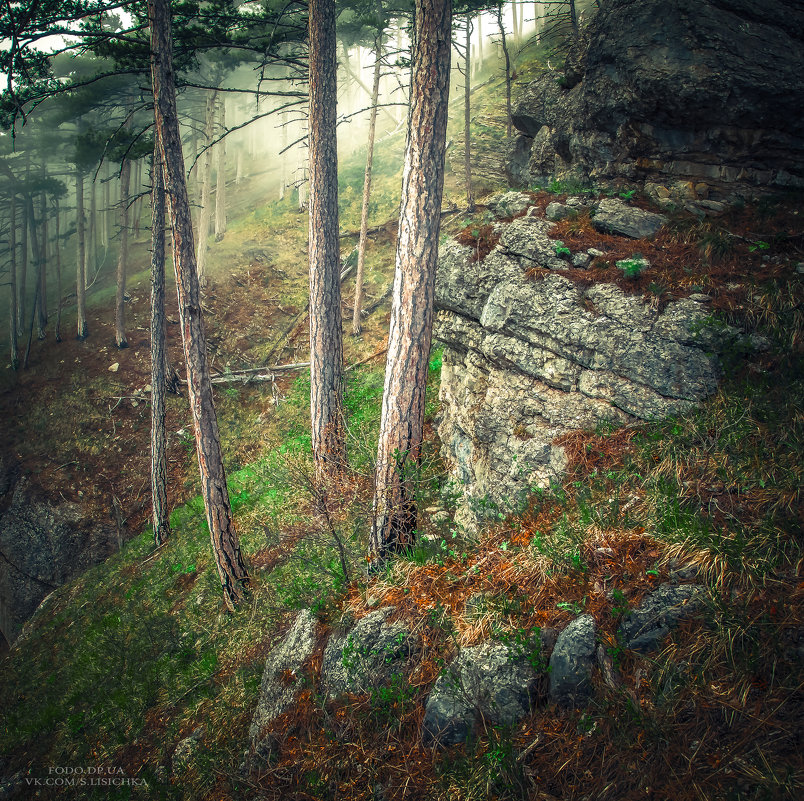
[(688, 91), (529, 358), (42, 545)]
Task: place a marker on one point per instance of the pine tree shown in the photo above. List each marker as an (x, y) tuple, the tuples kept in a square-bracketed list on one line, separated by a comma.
[(402, 423)]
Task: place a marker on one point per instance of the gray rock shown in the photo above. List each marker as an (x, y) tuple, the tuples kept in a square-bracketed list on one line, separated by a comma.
[(628, 107), (596, 253), (526, 240), (556, 211), (184, 752), (508, 204), (581, 260), (571, 663), (44, 545), (484, 681), (373, 653), (643, 629), (613, 216), (527, 360), (282, 676)]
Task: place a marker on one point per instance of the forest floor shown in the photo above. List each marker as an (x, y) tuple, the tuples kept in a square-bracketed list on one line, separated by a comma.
[(131, 658)]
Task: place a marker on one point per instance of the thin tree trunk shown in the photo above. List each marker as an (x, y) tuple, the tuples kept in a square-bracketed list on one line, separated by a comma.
[(80, 283), (573, 18), (467, 107), (206, 191), (12, 269), (23, 280), (58, 269), (515, 19), (357, 311), (507, 57), (283, 156), (37, 259), (106, 203), (409, 338), (479, 48), (159, 504), (225, 541), (42, 317), (139, 201), (220, 166), (92, 231), (122, 259), (326, 334)]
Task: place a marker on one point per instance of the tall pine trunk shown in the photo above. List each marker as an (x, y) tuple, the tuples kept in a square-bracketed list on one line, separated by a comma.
[(42, 272), (92, 230), (80, 260), (57, 235), (12, 270), (23, 278), (220, 167), (326, 330), (507, 58), (467, 119), (206, 190), (159, 504), (122, 259), (225, 541), (409, 338), (357, 311)]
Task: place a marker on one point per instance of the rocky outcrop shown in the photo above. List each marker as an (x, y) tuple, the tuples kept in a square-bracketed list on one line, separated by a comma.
[(694, 92), (571, 663), (527, 359), (281, 679), (484, 681), (373, 653), (42, 545), (661, 611)]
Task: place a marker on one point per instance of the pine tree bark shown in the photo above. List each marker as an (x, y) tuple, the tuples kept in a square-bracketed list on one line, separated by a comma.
[(92, 231), (159, 503), (12, 270), (231, 566), (357, 311), (410, 335), (80, 280), (326, 327), (467, 119), (220, 167), (23, 279), (206, 191), (122, 259), (57, 235), (507, 58), (42, 272)]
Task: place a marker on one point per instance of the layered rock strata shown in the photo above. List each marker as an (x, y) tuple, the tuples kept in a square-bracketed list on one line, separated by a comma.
[(703, 97), (527, 359)]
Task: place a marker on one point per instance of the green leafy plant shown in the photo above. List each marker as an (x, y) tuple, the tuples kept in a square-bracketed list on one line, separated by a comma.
[(561, 249), (632, 268)]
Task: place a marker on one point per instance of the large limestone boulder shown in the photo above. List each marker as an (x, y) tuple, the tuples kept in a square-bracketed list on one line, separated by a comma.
[(528, 359), (694, 90)]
